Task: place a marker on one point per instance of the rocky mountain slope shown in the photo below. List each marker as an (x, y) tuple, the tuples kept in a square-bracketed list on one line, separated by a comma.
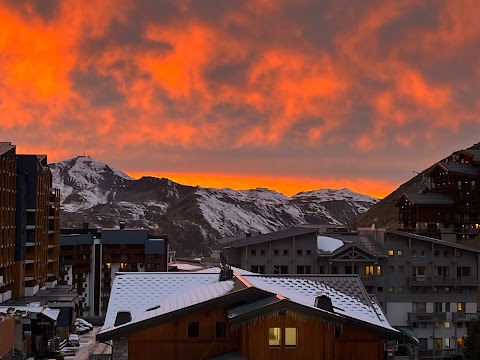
[(193, 217)]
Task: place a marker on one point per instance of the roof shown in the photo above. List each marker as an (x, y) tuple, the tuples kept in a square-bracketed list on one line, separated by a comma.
[(155, 246), (408, 332), (276, 235), (432, 198), (365, 242), (474, 153), (153, 298), (6, 147), (458, 168), (76, 239), (433, 240), (52, 314)]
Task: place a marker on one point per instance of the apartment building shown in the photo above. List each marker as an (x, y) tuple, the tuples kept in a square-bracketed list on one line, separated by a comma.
[(426, 286), (29, 224), (90, 258)]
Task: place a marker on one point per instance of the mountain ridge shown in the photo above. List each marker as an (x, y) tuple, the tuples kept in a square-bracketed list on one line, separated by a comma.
[(194, 217)]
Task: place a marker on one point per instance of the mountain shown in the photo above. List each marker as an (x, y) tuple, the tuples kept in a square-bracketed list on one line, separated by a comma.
[(194, 218)]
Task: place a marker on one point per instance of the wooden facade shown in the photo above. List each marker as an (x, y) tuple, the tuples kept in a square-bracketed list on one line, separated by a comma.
[(315, 339)]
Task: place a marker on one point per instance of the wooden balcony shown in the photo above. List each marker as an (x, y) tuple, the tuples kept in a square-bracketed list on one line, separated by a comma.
[(427, 317), (464, 317)]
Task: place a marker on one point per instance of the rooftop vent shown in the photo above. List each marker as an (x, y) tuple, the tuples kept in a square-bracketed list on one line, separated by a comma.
[(122, 225), (153, 308), (123, 317), (322, 301)]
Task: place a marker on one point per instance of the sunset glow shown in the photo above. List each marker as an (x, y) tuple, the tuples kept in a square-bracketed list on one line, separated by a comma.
[(289, 95)]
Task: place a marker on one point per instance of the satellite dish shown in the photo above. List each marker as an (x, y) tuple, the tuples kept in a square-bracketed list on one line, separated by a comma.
[(373, 226)]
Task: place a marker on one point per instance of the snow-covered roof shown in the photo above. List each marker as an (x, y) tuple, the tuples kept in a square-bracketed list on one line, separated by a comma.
[(328, 244), (151, 296), (137, 292), (303, 291), (44, 310)]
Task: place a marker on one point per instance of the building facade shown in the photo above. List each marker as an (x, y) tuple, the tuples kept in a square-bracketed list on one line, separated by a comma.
[(407, 273), (90, 258), (449, 206)]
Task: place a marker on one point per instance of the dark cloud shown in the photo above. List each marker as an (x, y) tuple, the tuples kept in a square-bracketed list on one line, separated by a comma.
[(233, 73), (98, 89), (47, 9)]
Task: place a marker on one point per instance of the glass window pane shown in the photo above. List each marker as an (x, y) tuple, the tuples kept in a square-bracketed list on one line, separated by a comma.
[(290, 336), (274, 336)]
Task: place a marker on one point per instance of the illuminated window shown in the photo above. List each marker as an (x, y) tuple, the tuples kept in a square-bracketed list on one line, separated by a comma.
[(290, 337), (400, 252), (369, 270), (459, 342), (274, 336), (460, 307), (379, 271), (390, 252), (447, 325), (447, 343), (109, 265)]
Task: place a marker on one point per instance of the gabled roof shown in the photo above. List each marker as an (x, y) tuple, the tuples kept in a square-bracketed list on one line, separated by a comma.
[(51, 314), (431, 198), (276, 235), (5, 147), (473, 153), (457, 168), (154, 298)]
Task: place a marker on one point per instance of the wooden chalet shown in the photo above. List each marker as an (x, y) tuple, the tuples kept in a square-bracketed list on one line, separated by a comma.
[(218, 314), (449, 206)]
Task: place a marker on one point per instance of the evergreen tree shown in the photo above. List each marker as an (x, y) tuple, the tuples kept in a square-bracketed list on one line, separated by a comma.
[(471, 345)]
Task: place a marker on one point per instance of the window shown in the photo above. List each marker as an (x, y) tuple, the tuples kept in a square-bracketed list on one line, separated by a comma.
[(459, 253), (369, 270), (461, 307), (447, 307), (441, 271), (400, 252), (436, 253), (380, 289), (379, 271), (437, 324), (400, 268), (446, 254), (303, 269), (418, 271), (260, 269), (299, 252), (423, 253), (400, 289), (437, 307), (447, 325), (193, 329), (423, 343), (253, 252), (463, 271), (290, 337), (262, 252), (109, 265), (419, 307), (390, 252), (285, 252), (437, 343), (220, 330), (459, 325), (321, 270), (309, 252), (276, 252), (391, 289), (414, 253), (274, 336), (391, 268), (280, 269)]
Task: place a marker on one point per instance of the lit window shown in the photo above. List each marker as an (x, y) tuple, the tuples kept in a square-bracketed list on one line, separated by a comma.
[(391, 289), (400, 289), (390, 252), (109, 265), (447, 343), (274, 336), (290, 337), (369, 270), (379, 271), (400, 252), (447, 325), (414, 253)]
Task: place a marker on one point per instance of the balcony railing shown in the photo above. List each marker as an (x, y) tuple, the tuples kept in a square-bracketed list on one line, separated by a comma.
[(467, 281), (420, 281), (427, 317), (464, 317)]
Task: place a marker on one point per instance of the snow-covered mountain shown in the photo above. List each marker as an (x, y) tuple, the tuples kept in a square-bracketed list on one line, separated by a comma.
[(195, 218)]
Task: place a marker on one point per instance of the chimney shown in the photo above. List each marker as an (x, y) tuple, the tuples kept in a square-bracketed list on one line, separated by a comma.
[(85, 225), (122, 225), (226, 273), (322, 301), (248, 235), (123, 317)]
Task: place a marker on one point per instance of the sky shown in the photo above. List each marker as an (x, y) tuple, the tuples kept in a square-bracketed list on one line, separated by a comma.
[(291, 95)]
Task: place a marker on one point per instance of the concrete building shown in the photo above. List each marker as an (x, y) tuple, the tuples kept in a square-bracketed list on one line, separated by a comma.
[(426, 286), (90, 258)]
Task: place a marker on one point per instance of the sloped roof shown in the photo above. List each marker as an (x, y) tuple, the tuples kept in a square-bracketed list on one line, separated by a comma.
[(365, 242), (5, 146), (474, 153), (458, 168), (52, 314), (155, 297), (276, 235), (432, 198), (433, 240)]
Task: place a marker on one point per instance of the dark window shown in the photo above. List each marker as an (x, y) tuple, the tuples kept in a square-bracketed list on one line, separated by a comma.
[(253, 252), (262, 252), (280, 269), (260, 269), (299, 252), (193, 329), (220, 330), (321, 270), (285, 252), (276, 252), (309, 252), (303, 269)]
